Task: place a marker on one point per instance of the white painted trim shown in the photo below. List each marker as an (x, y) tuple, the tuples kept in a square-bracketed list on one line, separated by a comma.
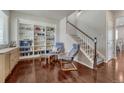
[(86, 55), (83, 51), (110, 59), (83, 64)]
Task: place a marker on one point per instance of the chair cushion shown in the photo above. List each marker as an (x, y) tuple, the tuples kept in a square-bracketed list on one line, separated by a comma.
[(70, 56)]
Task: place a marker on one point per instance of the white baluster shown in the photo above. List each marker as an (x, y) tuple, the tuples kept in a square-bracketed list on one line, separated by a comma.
[(88, 51)]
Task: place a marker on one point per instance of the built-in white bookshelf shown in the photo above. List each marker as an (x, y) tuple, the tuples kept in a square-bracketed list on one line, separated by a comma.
[(35, 39), (26, 39), (50, 38), (39, 39)]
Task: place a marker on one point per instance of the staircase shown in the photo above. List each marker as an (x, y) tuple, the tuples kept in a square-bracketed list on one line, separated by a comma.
[(88, 46)]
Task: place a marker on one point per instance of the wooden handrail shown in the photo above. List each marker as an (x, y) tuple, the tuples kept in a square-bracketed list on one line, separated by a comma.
[(95, 53), (80, 30)]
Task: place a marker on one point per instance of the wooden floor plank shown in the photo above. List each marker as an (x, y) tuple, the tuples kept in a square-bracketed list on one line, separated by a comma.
[(38, 71)]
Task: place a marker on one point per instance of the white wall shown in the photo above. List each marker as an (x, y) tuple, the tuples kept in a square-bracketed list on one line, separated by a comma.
[(63, 36), (72, 18), (120, 32), (7, 12), (92, 23), (35, 19)]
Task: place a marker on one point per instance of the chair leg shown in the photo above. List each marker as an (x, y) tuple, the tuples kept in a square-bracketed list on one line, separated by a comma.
[(67, 69), (61, 64)]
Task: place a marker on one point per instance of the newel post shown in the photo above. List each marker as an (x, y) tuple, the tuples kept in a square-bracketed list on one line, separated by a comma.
[(95, 53)]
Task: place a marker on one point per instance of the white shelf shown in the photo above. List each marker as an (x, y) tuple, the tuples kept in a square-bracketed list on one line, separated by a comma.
[(40, 50), (26, 51), (26, 47), (39, 45), (38, 34), (28, 57)]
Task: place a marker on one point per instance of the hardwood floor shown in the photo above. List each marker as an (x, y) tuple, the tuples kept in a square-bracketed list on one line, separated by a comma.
[(36, 71)]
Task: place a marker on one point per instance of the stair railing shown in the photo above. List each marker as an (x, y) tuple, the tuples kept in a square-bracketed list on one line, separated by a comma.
[(88, 43)]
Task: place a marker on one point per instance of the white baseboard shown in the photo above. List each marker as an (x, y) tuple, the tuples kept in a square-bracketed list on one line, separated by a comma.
[(91, 67), (110, 59)]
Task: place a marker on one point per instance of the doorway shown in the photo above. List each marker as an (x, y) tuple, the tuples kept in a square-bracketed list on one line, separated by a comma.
[(119, 35)]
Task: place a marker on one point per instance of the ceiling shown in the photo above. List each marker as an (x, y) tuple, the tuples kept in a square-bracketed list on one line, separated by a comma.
[(52, 14)]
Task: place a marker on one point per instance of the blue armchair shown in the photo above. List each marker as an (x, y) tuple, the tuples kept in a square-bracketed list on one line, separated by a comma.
[(69, 57), (57, 49), (60, 47)]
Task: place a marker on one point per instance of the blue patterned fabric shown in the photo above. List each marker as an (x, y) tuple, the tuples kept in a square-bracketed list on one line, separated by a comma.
[(59, 48), (70, 56)]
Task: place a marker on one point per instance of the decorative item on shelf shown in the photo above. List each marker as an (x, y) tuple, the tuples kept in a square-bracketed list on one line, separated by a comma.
[(39, 34), (26, 42), (35, 34), (43, 30), (52, 29), (37, 28), (28, 28), (12, 44), (50, 38), (25, 27), (42, 34), (21, 28)]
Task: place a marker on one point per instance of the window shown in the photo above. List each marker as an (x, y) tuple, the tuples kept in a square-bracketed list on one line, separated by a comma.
[(3, 28)]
